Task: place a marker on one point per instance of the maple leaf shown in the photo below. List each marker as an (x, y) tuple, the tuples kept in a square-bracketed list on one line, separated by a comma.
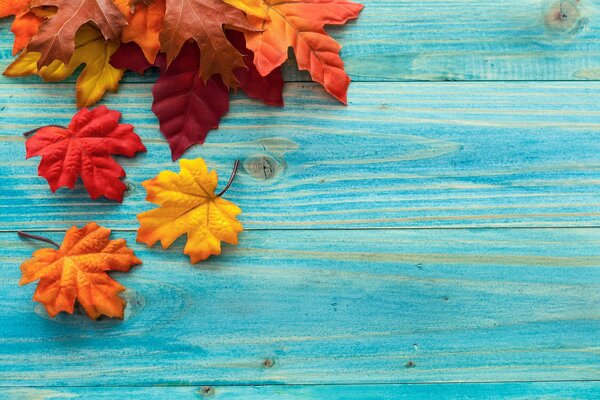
[(186, 106), (78, 272), (26, 23), (300, 24), (24, 27), (203, 21), (12, 7), (91, 49), (56, 37), (144, 27), (84, 149), (250, 7), (188, 205)]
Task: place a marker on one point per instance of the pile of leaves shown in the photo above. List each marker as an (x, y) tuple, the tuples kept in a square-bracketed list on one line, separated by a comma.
[(204, 49)]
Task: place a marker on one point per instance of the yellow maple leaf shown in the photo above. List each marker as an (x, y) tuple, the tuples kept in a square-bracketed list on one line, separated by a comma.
[(251, 7), (91, 49), (189, 205)]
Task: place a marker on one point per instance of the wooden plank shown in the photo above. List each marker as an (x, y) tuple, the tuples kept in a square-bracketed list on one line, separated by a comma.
[(401, 155), (498, 391), (460, 40), (335, 307)]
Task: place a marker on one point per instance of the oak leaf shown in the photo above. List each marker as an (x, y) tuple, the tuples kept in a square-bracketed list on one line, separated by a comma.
[(77, 271), (188, 205), (84, 149), (12, 7), (203, 21), (96, 78), (56, 37), (300, 24)]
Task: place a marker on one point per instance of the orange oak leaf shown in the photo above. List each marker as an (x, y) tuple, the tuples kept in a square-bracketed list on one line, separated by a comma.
[(56, 37), (84, 149), (189, 205), (77, 271), (144, 27), (203, 21), (300, 24)]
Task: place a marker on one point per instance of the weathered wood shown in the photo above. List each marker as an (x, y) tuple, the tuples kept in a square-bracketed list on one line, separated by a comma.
[(497, 391), (401, 155), (329, 307), (460, 40)]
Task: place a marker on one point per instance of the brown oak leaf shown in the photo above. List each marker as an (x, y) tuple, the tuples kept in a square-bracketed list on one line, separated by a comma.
[(203, 21), (56, 37)]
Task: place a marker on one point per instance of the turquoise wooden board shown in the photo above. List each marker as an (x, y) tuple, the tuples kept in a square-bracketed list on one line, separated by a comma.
[(401, 155), (326, 307), (344, 285), (462, 40), (500, 391)]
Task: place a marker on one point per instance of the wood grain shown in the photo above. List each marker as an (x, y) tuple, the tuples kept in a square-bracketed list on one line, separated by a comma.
[(498, 391), (401, 155), (442, 40), (300, 307)]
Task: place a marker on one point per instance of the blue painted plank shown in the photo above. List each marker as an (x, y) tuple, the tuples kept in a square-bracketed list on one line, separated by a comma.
[(498, 391), (401, 155), (460, 40), (310, 307)]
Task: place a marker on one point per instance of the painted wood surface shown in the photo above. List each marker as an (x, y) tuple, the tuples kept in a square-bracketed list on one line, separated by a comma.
[(330, 307), (401, 155), (463, 40), (501, 391), (326, 297)]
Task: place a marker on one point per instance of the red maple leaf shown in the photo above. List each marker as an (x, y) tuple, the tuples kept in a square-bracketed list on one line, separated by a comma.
[(84, 149)]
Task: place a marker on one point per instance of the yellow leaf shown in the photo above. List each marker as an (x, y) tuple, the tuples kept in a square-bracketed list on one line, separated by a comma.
[(91, 49), (250, 7), (189, 205)]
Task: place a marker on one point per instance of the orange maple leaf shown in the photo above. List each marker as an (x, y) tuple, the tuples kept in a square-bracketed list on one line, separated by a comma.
[(144, 27), (189, 205), (300, 24), (77, 272)]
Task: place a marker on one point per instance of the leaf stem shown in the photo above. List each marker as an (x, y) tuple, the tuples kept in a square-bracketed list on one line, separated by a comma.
[(231, 178), (40, 238), (34, 130)]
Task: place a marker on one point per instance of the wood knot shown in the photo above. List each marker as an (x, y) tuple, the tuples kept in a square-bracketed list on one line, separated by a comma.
[(564, 16), (207, 391), (268, 363), (263, 167)]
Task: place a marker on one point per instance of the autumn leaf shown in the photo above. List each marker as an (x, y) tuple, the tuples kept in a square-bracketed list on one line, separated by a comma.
[(56, 37), (188, 205), (84, 149), (77, 271), (24, 27), (300, 24), (203, 21), (12, 7), (144, 27), (187, 107), (269, 88), (96, 78), (250, 7), (26, 23)]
